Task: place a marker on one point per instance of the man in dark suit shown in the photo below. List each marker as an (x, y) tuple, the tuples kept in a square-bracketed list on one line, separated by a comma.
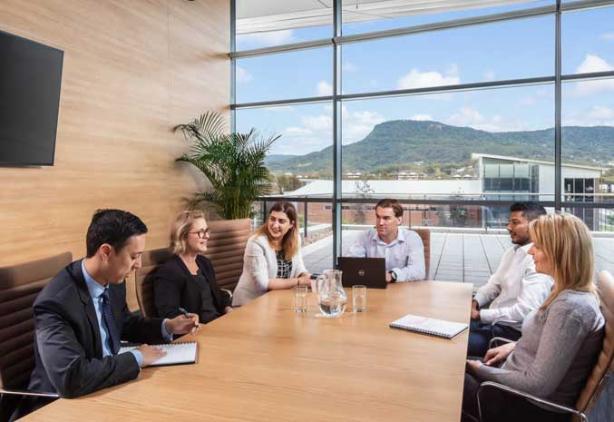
[(81, 315)]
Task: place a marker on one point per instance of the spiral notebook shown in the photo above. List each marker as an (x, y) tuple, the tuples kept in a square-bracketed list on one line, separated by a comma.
[(432, 326), (176, 353)]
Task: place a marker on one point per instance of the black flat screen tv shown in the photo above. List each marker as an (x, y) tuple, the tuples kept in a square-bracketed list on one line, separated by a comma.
[(30, 81)]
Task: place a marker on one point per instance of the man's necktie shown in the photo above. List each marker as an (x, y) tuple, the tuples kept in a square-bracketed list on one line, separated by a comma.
[(109, 321)]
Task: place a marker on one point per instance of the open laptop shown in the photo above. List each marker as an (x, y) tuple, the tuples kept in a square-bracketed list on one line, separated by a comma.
[(370, 272)]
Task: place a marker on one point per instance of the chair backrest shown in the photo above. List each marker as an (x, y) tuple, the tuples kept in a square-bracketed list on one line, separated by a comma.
[(19, 286), (605, 360), (425, 235), (226, 247), (144, 288)]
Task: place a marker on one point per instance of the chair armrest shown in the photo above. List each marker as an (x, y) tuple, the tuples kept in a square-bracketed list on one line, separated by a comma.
[(499, 341), (535, 401), (228, 292), (28, 393)]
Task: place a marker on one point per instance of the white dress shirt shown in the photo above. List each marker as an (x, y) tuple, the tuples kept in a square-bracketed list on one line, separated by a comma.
[(514, 290), (96, 290), (404, 255)]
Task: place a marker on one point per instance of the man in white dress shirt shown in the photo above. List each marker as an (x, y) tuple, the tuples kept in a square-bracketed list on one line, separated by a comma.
[(401, 247), (514, 290)]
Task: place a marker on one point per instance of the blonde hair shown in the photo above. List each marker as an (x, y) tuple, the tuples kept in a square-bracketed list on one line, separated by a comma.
[(291, 241), (181, 228), (566, 242)]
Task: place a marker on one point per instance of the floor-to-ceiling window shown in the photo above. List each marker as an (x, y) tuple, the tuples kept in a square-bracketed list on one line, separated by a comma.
[(457, 108)]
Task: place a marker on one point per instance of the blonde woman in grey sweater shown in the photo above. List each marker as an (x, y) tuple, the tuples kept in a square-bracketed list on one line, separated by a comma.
[(560, 341)]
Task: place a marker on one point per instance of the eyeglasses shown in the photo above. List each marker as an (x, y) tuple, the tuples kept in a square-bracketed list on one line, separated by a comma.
[(202, 233)]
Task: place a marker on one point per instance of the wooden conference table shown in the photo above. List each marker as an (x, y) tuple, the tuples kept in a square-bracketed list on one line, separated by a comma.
[(263, 362)]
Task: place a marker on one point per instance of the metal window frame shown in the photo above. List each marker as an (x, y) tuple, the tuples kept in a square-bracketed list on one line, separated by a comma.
[(336, 42)]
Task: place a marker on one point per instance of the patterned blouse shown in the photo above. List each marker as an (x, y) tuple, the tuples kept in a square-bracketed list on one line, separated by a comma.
[(284, 268)]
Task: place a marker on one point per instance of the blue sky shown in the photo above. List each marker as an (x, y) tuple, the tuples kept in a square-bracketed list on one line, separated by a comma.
[(504, 50)]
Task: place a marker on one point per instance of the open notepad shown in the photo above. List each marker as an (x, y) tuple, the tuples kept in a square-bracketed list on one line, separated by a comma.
[(176, 353), (432, 326)]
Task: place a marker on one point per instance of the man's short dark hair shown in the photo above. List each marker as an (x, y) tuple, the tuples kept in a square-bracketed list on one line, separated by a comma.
[(530, 210), (391, 203), (113, 227)]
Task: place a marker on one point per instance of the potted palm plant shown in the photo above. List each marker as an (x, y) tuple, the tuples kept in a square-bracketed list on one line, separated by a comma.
[(232, 162)]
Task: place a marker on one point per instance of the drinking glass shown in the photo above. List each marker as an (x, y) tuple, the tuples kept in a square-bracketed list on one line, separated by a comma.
[(359, 298), (300, 299)]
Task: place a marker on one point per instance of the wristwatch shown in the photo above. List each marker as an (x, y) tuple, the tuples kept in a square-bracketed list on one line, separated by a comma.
[(393, 276)]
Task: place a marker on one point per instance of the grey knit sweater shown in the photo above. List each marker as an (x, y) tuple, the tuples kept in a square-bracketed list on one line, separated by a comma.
[(557, 350)]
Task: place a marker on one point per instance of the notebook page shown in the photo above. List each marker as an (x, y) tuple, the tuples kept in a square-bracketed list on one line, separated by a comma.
[(175, 353)]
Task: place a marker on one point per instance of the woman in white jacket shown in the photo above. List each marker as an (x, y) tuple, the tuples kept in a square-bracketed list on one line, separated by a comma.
[(272, 257)]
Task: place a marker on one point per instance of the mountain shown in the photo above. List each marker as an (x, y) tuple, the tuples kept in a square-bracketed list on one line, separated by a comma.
[(406, 142), (274, 159)]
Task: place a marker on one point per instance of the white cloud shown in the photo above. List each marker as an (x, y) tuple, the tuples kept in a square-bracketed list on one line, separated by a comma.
[(358, 124), (421, 117), (293, 131), (313, 134), (243, 76), (349, 67), (601, 114), (541, 95), (320, 123), (608, 36), (262, 39), (594, 116), (593, 63), (468, 116), (315, 131), (324, 89), (417, 79), (489, 75)]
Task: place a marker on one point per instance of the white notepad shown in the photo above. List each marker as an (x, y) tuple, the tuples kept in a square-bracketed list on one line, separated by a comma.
[(432, 326), (176, 353)]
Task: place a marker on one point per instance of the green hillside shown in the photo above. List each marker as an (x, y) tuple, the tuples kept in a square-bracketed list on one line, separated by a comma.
[(423, 145)]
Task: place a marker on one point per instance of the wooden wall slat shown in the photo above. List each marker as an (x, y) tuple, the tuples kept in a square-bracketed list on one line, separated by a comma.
[(132, 70)]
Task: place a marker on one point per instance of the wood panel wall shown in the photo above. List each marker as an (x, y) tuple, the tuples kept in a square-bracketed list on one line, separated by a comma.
[(132, 70)]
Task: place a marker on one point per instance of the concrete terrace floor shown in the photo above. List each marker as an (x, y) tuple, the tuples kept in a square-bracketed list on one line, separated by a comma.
[(469, 257)]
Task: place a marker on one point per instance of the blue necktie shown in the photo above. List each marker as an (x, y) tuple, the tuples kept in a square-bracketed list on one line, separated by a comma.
[(109, 322)]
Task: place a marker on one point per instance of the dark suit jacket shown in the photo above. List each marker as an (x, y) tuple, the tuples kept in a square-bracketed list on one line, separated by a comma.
[(68, 349), (174, 287)]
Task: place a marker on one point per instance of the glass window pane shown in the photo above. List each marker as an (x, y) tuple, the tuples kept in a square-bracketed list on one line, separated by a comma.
[(588, 139), (303, 150), (375, 15), (521, 170), (272, 23), (598, 220), (478, 53), (588, 40), (441, 146), (299, 74), (463, 246)]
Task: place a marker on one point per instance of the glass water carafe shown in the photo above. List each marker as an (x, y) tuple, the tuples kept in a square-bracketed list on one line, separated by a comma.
[(331, 296)]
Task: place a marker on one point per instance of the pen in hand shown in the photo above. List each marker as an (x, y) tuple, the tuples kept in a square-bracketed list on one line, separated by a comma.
[(188, 315)]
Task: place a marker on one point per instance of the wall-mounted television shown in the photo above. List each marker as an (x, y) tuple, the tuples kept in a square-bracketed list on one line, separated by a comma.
[(30, 81)]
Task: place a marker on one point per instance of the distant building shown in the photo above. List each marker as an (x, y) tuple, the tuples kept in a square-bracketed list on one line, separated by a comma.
[(498, 178), (522, 179)]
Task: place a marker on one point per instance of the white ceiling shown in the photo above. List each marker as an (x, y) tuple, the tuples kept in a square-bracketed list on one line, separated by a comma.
[(274, 15)]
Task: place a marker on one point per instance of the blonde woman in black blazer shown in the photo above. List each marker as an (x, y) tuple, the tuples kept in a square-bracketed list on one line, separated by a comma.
[(187, 280)]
